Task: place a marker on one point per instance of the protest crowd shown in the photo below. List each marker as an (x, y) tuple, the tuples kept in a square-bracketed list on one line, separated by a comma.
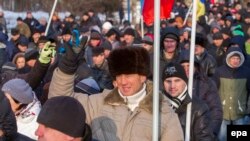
[(92, 80)]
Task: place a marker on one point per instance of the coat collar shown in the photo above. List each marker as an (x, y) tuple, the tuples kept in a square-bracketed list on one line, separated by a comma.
[(113, 98)]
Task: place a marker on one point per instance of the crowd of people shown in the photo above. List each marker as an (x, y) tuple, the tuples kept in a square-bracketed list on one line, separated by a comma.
[(92, 80)]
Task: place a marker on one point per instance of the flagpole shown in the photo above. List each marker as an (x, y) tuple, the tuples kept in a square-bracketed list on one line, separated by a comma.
[(142, 27), (191, 70), (128, 8), (186, 17), (156, 70), (50, 17)]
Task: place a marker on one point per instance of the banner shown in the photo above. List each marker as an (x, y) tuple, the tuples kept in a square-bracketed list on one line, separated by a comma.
[(148, 10)]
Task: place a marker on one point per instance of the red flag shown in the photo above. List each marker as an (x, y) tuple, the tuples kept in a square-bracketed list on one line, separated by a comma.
[(148, 10)]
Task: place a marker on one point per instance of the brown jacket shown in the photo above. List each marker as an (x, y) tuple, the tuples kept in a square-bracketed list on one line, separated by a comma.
[(111, 119), (24, 29)]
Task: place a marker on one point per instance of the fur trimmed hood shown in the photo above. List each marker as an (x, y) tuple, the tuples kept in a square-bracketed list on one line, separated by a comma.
[(113, 98)]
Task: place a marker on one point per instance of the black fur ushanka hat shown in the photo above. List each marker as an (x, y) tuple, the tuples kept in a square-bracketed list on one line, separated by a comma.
[(129, 60)]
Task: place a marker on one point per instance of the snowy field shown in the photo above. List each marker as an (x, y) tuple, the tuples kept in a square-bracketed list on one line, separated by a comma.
[(12, 16)]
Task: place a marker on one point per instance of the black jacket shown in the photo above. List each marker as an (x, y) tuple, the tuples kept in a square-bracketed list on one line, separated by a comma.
[(206, 90), (207, 63), (7, 119), (200, 119)]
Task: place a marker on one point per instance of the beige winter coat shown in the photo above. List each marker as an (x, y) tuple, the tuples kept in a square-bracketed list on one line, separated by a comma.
[(111, 119)]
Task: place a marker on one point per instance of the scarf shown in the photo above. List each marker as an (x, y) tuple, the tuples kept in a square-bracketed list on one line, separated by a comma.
[(175, 102)]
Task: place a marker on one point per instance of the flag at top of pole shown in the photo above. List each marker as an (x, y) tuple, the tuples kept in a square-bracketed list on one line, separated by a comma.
[(200, 8), (148, 10)]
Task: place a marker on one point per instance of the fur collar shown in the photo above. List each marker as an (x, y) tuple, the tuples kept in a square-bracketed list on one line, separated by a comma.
[(113, 98)]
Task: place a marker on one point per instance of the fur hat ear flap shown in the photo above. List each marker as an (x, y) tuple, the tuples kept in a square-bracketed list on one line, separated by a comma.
[(129, 60)]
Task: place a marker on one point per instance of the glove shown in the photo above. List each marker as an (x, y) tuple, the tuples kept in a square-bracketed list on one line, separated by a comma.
[(47, 53), (71, 59)]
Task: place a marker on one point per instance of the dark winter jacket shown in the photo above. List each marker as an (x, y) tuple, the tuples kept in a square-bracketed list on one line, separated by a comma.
[(206, 90), (55, 29), (200, 129), (218, 53), (7, 119), (207, 63), (9, 48), (234, 87), (96, 21), (32, 23)]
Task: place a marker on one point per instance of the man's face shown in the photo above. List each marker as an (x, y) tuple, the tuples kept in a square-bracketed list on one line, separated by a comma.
[(19, 22), (41, 45), (20, 62), (128, 39), (48, 134), (66, 37), (31, 62), (106, 53), (174, 86), (95, 42), (15, 37), (169, 45), (36, 36), (29, 15), (85, 17), (199, 50), (218, 42), (185, 65), (234, 61), (98, 59), (215, 30), (22, 48), (129, 84)]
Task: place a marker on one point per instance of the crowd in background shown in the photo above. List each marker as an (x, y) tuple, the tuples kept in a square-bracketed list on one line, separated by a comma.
[(221, 84)]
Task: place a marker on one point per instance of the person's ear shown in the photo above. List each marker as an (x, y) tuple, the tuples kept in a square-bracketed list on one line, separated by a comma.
[(143, 78)]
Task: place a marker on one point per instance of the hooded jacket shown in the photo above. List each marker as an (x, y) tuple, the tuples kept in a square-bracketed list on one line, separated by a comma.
[(110, 117), (234, 87)]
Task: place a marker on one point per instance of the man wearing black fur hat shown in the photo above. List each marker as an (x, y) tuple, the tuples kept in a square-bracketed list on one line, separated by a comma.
[(175, 88), (124, 113)]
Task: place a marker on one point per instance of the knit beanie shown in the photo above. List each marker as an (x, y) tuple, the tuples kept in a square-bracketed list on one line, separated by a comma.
[(171, 32), (107, 25), (65, 114), (19, 90), (95, 36), (174, 70)]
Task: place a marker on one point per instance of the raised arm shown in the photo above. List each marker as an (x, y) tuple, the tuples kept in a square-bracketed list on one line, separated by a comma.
[(63, 78)]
